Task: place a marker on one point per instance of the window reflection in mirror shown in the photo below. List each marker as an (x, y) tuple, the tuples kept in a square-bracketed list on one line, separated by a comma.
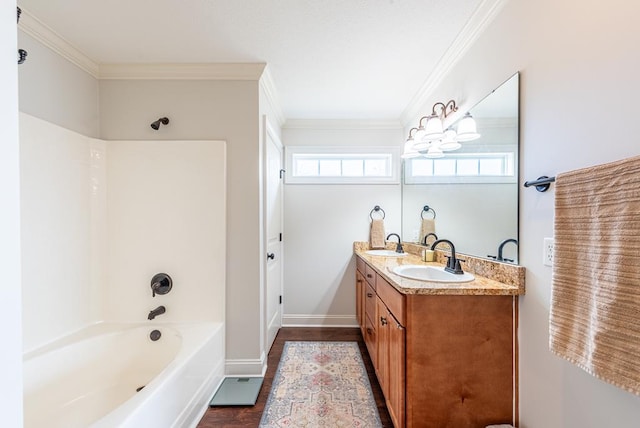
[(473, 190)]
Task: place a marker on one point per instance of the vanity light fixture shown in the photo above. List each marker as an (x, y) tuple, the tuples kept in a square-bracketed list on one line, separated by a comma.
[(431, 140), (410, 150)]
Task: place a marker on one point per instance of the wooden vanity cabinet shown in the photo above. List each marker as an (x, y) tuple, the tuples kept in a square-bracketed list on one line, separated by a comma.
[(442, 361)]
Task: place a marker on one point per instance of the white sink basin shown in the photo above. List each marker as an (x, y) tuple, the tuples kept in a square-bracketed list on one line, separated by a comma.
[(430, 273), (385, 253)]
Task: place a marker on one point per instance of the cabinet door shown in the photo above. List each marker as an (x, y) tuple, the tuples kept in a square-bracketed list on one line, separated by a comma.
[(360, 296), (396, 371), (371, 340), (382, 366)]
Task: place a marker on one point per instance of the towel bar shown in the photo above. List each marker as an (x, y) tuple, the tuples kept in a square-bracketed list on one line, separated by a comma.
[(376, 209), (426, 209), (542, 183)]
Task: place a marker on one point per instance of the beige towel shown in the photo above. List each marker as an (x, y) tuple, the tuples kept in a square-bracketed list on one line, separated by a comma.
[(376, 235), (428, 225), (595, 299)]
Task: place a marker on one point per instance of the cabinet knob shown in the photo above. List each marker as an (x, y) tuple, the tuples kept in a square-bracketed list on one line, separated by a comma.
[(383, 321), (271, 256), (369, 295), (369, 275)]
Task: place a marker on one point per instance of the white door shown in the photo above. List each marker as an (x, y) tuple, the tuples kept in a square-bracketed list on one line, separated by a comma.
[(273, 218)]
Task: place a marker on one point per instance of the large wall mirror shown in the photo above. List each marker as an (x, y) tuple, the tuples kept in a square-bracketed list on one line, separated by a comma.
[(472, 191)]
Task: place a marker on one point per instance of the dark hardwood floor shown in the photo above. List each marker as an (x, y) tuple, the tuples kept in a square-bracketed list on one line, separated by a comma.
[(249, 416)]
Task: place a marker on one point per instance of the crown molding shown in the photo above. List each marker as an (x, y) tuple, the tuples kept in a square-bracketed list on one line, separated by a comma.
[(271, 94), (194, 71), (341, 124), (481, 18), (35, 28)]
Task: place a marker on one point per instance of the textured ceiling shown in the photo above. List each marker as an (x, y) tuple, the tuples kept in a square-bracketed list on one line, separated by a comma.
[(329, 59)]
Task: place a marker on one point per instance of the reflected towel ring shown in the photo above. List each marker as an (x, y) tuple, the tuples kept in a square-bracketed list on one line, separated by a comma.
[(376, 209), (426, 209)]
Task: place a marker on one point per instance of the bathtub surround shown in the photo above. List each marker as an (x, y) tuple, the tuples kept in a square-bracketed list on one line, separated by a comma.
[(166, 213), (117, 213), (62, 235)]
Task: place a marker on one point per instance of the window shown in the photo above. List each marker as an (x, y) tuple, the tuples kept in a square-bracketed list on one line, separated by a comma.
[(342, 165), (498, 167)]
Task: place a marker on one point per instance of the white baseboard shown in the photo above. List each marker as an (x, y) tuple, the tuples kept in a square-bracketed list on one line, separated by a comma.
[(246, 367), (308, 320)]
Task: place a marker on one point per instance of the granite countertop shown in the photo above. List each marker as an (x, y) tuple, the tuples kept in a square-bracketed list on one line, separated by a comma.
[(481, 285)]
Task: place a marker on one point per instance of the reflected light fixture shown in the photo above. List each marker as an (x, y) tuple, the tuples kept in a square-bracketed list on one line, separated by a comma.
[(467, 130), (431, 140)]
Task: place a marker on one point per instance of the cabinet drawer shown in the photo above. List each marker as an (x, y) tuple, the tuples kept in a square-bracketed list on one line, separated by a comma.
[(392, 298), (360, 265), (370, 307), (370, 276)]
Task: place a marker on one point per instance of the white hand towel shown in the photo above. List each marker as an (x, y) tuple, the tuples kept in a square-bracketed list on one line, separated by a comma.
[(376, 236)]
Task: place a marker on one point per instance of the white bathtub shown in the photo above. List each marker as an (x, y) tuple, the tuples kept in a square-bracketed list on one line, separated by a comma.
[(89, 379)]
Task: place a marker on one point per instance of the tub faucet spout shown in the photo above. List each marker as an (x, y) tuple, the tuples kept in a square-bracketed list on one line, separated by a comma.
[(157, 311)]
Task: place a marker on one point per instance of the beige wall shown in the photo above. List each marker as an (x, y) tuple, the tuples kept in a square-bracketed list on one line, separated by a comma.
[(321, 224), (579, 90), (10, 289), (53, 89)]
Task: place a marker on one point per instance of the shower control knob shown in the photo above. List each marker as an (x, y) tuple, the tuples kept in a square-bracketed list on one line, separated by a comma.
[(161, 283)]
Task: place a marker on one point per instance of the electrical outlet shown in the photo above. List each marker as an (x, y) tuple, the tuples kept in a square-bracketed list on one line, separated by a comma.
[(547, 253)]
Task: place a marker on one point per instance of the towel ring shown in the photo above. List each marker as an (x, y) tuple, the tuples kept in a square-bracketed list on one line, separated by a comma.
[(376, 209), (426, 209)]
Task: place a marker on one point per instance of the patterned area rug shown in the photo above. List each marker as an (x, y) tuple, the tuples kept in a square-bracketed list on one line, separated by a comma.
[(321, 384)]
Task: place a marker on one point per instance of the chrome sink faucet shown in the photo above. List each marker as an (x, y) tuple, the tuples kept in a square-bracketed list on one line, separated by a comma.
[(453, 265), (399, 248), (157, 311)]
